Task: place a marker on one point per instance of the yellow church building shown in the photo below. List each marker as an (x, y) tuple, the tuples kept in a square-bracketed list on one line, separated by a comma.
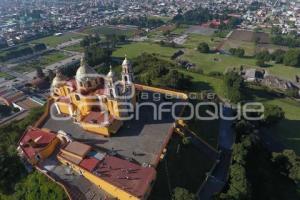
[(94, 101)]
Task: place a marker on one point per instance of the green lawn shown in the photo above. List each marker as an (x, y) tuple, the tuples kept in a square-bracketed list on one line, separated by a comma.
[(76, 48), (135, 49), (108, 30), (6, 76), (217, 62), (249, 47), (53, 41), (194, 39), (288, 130), (41, 61)]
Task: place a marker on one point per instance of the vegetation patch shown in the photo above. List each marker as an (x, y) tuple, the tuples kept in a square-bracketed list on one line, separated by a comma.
[(41, 61), (53, 41)]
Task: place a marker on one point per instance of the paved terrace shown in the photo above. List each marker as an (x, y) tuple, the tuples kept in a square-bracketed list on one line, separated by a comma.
[(79, 188), (141, 140)]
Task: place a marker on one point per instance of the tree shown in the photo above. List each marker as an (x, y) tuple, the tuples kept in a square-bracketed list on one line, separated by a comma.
[(177, 80), (203, 47), (5, 110), (233, 86), (273, 114), (182, 194), (288, 162), (37, 186), (292, 58), (263, 55), (278, 55), (11, 171), (239, 188), (96, 55), (239, 52)]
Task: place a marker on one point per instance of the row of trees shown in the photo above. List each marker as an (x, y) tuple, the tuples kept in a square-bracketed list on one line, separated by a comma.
[(14, 181), (289, 58), (22, 51), (239, 187), (97, 52), (239, 52), (233, 86)]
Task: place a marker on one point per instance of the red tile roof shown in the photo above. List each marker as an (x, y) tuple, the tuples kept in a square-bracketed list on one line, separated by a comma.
[(125, 175), (89, 163), (39, 137), (128, 176)]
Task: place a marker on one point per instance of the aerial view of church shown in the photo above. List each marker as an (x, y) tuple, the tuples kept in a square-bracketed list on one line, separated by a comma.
[(89, 147)]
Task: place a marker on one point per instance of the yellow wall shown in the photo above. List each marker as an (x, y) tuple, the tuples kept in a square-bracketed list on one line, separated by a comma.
[(94, 128), (115, 126), (102, 184), (65, 108), (45, 153)]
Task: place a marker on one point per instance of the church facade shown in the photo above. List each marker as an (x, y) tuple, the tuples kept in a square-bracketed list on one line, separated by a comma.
[(95, 102)]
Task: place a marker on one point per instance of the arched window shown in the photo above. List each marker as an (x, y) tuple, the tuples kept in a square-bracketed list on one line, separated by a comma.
[(126, 78)]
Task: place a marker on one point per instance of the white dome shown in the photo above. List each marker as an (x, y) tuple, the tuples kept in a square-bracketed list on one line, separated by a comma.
[(84, 71), (110, 74)]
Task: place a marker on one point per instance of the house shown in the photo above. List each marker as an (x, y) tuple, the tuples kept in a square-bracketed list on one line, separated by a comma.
[(36, 145), (253, 75)]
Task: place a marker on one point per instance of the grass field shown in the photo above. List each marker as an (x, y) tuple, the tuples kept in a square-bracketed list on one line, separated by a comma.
[(41, 61), (249, 47), (135, 49), (217, 62), (108, 30), (287, 130), (53, 41), (76, 48), (194, 39)]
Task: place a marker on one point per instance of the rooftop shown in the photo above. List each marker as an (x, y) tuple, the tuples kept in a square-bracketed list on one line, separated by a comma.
[(121, 173), (34, 140), (139, 139)]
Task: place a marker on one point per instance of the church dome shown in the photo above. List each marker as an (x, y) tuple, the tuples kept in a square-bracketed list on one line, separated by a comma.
[(110, 74), (84, 71)]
